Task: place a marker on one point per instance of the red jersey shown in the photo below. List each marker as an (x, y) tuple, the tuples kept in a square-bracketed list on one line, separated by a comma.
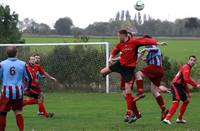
[(129, 50), (183, 76), (33, 70)]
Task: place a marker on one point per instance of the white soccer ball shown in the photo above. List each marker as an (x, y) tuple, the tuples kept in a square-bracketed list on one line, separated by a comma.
[(139, 5)]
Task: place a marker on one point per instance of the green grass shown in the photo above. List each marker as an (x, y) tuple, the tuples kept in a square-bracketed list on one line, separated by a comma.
[(178, 48), (102, 112)]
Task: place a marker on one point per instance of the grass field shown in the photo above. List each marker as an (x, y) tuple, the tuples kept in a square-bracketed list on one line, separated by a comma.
[(177, 49), (102, 112)]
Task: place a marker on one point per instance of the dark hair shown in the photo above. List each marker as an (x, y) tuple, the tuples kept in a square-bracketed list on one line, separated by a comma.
[(193, 56), (36, 54), (147, 36), (11, 51), (130, 34), (124, 32)]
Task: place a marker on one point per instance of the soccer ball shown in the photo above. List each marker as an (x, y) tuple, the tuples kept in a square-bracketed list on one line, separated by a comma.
[(139, 5)]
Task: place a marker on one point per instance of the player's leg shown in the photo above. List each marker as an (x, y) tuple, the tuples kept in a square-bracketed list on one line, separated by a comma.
[(17, 107), (42, 108), (175, 104), (29, 101), (116, 67), (186, 101), (39, 109), (139, 83), (159, 99), (5, 106), (31, 97), (105, 71), (19, 119), (129, 77), (3, 120), (122, 87)]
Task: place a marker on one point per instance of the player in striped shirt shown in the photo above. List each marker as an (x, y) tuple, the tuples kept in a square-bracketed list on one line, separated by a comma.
[(154, 71), (12, 74), (35, 91), (41, 77)]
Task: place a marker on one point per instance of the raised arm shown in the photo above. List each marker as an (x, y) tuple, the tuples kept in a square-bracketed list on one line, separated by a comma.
[(145, 41)]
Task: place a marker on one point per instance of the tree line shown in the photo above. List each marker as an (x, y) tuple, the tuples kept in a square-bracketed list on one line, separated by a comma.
[(139, 24)]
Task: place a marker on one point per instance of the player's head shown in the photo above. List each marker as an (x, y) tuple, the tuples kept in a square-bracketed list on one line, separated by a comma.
[(123, 35), (11, 51), (32, 60), (37, 58), (130, 34), (192, 60)]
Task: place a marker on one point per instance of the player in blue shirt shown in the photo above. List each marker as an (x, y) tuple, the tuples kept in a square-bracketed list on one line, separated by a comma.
[(12, 74)]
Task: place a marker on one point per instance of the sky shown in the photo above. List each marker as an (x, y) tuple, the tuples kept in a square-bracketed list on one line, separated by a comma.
[(85, 12)]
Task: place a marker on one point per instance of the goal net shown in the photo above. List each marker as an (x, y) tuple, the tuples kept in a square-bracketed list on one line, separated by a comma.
[(75, 65)]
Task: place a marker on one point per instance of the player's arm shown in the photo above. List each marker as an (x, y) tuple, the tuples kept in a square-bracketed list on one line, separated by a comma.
[(186, 77), (43, 72), (50, 77), (145, 41), (114, 52), (187, 90), (141, 54), (162, 43)]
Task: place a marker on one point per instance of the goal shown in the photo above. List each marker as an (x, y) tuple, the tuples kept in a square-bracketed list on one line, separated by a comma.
[(75, 65)]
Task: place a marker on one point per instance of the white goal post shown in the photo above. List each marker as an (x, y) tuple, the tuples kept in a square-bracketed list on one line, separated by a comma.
[(106, 44)]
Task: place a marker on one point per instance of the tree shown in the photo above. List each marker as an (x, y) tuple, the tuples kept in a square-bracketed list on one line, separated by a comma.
[(9, 33), (191, 23), (122, 15), (128, 16), (144, 18), (77, 31), (63, 26), (117, 18)]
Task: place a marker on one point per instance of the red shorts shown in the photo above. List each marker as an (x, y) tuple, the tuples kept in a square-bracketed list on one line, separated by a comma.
[(154, 73), (9, 104), (34, 92)]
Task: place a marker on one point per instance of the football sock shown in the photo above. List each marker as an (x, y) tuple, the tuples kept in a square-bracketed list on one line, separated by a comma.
[(20, 122)]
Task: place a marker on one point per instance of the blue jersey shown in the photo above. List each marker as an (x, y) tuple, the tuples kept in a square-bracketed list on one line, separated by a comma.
[(154, 55), (12, 74)]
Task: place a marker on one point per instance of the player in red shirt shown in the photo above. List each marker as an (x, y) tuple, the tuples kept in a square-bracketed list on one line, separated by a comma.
[(35, 91), (180, 91), (126, 66)]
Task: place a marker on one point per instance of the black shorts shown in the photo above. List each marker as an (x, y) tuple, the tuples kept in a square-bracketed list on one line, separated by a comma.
[(127, 73), (178, 92)]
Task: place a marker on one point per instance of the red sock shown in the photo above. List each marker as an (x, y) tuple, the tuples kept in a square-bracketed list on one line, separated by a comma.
[(42, 109), (172, 110), (129, 100), (20, 122), (139, 84), (135, 109), (182, 110), (160, 102), (2, 122), (29, 102)]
